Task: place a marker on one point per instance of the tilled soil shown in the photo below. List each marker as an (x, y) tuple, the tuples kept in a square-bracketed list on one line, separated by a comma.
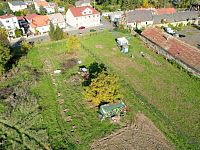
[(142, 135)]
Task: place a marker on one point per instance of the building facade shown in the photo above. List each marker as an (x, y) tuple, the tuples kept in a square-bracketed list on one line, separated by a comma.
[(84, 16)]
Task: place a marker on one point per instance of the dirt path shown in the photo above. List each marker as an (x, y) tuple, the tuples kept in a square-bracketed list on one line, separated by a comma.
[(141, 135)]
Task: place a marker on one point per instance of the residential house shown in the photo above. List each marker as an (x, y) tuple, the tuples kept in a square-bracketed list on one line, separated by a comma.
[(49, 7), (57, 19), (115, 16), (23, 24), (182, 17), (162, 11), (81, 3), (10, 23), (17, 5), (85, 16), (29, 17), (61, 9), (40, 24), (137, 19)]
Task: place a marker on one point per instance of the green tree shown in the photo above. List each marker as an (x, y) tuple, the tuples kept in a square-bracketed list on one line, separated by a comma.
[(25, 46), (4, 38), (103, 88), (4, 57), (18, 33), (42, 10), (73, 43), (58, 34), (51, 31)]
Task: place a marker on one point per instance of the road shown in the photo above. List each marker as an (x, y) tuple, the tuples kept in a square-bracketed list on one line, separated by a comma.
[(105, 24)]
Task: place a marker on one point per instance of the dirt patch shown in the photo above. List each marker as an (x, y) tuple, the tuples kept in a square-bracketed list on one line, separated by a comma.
[(141, 135), (99, 46), (70, 63), (114, 49), (152, 60)]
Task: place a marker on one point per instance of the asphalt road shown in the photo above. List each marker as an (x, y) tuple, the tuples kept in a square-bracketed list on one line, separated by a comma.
[(105, 24)]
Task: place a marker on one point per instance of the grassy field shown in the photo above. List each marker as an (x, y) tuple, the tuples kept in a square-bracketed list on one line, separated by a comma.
[(55, 114), (168, 90)]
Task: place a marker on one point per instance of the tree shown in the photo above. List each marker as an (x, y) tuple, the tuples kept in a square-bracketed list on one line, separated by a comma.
[(73, 43), (55, 33), (51, 31), (42, 10), (4, 57), (103, 89), (4, 38), (18, 33), (25, 46)]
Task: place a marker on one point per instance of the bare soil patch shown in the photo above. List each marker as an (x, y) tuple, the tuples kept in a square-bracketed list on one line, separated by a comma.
[(99, 46), (143, 134)]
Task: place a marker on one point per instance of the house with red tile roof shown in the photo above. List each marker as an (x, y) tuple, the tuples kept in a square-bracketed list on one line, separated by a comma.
[(40, 24), (162, 11), (184, 54), (84, 16), (10, 23), (57, 19)]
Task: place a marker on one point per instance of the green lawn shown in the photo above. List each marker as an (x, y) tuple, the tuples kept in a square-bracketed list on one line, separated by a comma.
[(168, 96), (165, 87)]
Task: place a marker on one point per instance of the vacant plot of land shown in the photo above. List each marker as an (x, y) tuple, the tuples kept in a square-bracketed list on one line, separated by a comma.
[(192, 36), (167, 88), (140, 135)]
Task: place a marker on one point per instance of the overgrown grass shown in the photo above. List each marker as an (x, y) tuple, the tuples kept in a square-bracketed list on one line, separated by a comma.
[(171, 95)]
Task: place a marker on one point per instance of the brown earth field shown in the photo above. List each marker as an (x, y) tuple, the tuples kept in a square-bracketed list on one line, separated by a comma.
[(142, 134)]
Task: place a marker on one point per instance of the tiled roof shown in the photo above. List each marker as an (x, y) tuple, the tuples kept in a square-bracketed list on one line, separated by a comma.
[(161, 11), (6, 16), (77, 11), (30, 16), (178, 49), (58, 18), (16, 3), (39, 21), (42, 3), (139, 16)]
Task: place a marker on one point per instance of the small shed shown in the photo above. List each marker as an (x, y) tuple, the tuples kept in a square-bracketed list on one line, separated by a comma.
[(123, 44), (110, 110)]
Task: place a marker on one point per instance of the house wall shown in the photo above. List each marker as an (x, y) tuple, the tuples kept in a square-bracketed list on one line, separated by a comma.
[(86, 21), (17, 8), (176, 23), (140, 25), (10, 24), (43, 29), (50, 10)]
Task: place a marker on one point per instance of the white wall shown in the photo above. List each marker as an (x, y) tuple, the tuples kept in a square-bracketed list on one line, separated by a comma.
[(86, 21), (17, 8), (43, 29)]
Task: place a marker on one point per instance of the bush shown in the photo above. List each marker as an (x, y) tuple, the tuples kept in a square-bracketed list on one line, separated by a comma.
[(25, 46), (18, 33)]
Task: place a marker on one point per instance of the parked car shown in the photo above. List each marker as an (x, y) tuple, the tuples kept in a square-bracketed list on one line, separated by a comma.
[(92, 30), (80, 33), (81, 28)]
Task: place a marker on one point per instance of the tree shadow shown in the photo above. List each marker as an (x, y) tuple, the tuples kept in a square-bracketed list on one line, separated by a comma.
[(94, 69)]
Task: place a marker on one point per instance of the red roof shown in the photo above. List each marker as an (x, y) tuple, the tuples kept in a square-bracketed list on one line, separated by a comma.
[(178, 49), (20, 18), (77, 11), (6, 16), (165, 11), (39, 21), (31, 16)]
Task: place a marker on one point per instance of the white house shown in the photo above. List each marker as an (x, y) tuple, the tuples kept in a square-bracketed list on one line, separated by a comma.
[(40, 24), (10, 23), (81, 3), (17, 5), (85, 16), (57, 19)]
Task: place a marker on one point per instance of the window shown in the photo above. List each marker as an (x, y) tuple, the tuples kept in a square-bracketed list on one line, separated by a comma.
[(146, 22), (7, 21), (93, 15), (9, 27)]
